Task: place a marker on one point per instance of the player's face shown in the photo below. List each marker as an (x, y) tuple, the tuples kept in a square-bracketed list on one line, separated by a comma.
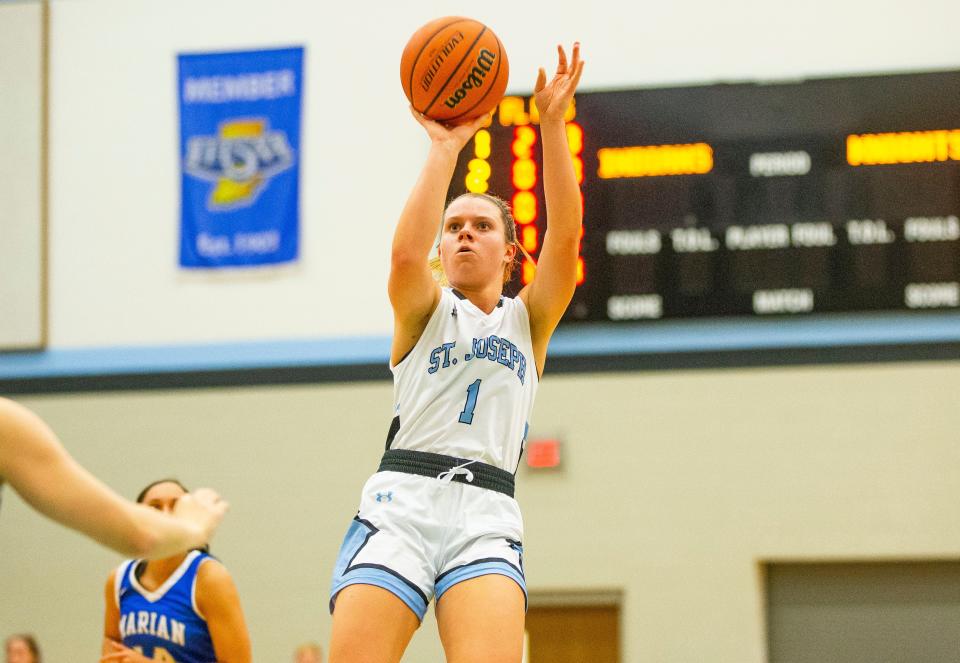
[(18, 652), (163, 496), (473, 247)]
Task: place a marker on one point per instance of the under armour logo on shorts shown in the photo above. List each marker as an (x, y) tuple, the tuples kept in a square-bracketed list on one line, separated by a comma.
[(384, 497)]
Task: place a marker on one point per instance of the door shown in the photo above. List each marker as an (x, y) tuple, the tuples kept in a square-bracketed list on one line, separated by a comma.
[(573, 634)]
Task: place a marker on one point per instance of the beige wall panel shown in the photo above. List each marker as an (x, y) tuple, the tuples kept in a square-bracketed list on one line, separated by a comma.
[(673, 487)]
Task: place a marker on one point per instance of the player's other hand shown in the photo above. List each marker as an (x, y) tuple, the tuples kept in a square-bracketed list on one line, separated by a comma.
[(121, 654), (203, 508), (554, 97)]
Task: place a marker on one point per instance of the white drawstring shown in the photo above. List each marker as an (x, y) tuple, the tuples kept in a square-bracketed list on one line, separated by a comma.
[(447, 477)]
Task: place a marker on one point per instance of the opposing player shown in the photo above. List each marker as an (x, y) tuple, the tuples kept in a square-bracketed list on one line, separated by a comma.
[(37, 466), (439, 518), (182, 609)]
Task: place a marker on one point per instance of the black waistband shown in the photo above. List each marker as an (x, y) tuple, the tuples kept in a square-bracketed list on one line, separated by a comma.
[(429, 464)]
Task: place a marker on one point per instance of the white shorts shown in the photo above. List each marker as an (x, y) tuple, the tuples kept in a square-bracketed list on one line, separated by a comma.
[(417, 537)]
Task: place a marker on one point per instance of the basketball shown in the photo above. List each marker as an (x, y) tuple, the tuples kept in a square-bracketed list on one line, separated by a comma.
[(454, 69)]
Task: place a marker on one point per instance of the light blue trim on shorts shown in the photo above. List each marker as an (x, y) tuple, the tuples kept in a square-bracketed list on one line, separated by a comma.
[(384, 579), (486, 568), (345, 573)]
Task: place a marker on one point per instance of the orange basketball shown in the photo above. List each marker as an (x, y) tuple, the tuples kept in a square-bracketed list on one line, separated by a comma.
[(454, 69)]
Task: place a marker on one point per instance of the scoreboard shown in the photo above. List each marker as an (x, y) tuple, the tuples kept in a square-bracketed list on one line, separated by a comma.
[(747, 199)]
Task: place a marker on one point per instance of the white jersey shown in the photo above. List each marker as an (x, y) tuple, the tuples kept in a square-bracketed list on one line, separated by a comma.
[(466, 388)]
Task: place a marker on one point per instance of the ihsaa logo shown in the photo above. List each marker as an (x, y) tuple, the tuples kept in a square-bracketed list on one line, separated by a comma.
[(239, 160)]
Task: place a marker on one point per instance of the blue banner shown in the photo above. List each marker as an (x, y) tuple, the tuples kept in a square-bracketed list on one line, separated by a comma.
[(239, 150)]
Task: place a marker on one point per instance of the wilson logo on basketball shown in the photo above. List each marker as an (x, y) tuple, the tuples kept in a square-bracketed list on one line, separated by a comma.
[(474, 79), (454, 69), (439, 60)]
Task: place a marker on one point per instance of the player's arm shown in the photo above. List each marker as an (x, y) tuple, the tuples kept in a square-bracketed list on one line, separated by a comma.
[(37, 466), (111, 617), (413, 292), (113, 650), (219, 603), (551, 290)]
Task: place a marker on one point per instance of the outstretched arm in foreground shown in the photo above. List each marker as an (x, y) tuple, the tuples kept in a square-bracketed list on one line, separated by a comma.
[(37, 466)]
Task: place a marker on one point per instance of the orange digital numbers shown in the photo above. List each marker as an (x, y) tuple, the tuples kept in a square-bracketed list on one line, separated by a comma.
[(521, 113), (524, 207), (654, 160), (512, 112), (524, 138), (575, 143), (524, 174), (903, 147), (530, 239), (478, 168), (524, 177)]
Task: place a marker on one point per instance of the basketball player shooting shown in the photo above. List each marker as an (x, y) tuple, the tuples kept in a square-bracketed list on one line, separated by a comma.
[(439, 518)]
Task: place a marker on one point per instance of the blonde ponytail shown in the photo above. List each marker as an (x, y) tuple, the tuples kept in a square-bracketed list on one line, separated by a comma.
[(436, 268)]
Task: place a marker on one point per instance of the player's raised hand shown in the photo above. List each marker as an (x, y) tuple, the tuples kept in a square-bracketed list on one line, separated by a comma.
[(554, 97), (203, 508)]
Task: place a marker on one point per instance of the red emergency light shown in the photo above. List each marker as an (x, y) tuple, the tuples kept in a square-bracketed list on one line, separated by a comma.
[(543, 454)]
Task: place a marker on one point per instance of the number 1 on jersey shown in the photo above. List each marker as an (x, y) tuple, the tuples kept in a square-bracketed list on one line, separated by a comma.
[(466, 417)]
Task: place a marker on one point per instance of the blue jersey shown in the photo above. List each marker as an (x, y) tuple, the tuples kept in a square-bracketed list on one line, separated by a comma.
[(164, 624)]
